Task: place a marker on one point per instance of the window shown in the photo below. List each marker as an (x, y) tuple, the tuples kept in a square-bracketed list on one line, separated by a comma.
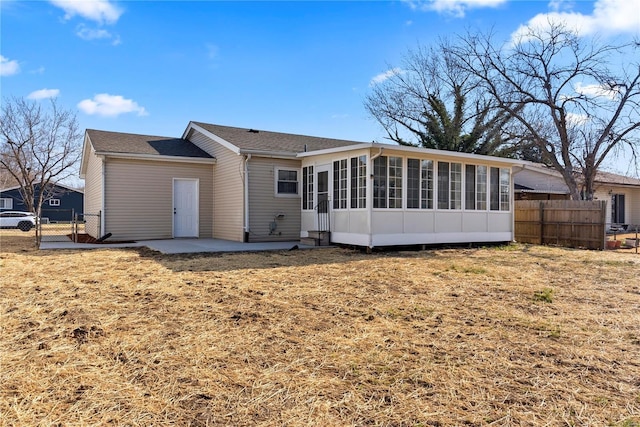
[(286, 182), (475, 194), (499, 189), (54, 202), (340, 184), (470, 187), (443, 185), (481, 188), (387, 182), (395, 182), (307, 187), (494, 189), (359, 182), (505, 189), (419, 184), (449, 185), (6, 203), (380, 182), (456, 186), (426, 199)]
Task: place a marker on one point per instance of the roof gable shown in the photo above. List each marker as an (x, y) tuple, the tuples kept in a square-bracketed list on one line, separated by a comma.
[(252, 140)]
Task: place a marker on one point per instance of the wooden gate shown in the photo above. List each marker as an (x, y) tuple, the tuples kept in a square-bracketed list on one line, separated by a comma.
[(569, 223)]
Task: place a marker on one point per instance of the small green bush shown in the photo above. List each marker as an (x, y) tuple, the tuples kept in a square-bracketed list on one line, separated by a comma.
[(545, 295)]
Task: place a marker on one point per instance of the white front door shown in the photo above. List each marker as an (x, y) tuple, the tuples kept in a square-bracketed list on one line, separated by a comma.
[(185, 208)]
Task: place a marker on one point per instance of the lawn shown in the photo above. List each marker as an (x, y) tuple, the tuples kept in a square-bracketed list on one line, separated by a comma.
[(499, 336)]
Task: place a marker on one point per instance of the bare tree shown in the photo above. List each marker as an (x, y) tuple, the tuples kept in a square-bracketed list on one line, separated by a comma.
[(564, 94), (40, 146), (432, 102)]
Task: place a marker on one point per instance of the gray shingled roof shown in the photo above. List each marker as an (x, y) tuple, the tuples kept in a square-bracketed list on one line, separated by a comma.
[(128, 143), (612, 178), (261, 140)]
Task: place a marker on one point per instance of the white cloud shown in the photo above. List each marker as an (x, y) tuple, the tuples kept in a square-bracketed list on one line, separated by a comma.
[(44, 94), (8, 67), (100, 11), (596, 90), (107, 105), (384, 76), (456, 8), (607, 17), (577, 119), (86, 33)]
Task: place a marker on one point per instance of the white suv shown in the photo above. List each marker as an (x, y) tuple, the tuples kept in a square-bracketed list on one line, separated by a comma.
[(25, 221)]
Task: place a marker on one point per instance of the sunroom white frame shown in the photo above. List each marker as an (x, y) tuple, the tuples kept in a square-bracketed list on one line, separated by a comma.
[(372, 227)]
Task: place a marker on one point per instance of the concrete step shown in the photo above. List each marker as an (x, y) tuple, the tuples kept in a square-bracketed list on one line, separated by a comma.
[(317, 238)]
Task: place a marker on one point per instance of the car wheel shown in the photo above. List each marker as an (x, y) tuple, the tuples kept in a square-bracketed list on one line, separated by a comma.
[(25, 226)]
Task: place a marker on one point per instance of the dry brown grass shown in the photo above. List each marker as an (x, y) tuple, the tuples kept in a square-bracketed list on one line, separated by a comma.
[(327, 337)]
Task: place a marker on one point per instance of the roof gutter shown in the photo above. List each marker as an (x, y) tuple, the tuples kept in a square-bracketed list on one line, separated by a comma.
[(157, 157), (270, 154)]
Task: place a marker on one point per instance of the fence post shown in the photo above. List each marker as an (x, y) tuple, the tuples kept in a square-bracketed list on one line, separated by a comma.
[(603, 222), (542, 223)]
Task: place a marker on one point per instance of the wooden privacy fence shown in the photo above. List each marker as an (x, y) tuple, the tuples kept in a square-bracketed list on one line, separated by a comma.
[(569, 223)]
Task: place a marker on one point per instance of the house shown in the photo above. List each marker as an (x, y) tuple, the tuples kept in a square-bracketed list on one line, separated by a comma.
[(253, 185), (61, 202), (534, 181)]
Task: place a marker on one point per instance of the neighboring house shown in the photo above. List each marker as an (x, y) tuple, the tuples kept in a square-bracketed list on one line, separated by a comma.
[(537, 182), (252, 185), (60, 202)]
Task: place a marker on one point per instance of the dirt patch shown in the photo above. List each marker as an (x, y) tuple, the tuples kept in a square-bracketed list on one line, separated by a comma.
[(85, 238)]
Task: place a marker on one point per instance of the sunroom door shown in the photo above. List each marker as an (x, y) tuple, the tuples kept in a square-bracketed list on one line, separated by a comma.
[(322, 198)]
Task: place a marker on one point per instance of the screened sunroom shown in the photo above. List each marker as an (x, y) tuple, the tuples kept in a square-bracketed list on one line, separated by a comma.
[(383, 195)]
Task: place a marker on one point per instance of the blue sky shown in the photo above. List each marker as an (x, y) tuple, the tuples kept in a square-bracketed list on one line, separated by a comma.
[(300, 67)]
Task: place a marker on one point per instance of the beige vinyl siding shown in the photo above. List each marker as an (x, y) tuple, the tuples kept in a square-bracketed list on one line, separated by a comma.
[(93, 193), (264, 205), (139, 198), (228, 189), (634, 207)]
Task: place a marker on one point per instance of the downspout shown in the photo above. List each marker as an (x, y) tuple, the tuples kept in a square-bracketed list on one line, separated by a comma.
[(104, 198), (246, 197), (370, 192), (378, 154)]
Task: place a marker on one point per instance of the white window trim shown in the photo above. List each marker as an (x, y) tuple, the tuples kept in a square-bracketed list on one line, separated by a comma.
[(298, 171), (7, 203), (54, 202)]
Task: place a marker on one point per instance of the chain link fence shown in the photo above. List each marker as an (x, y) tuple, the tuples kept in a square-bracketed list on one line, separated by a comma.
[(87, 223), (62, 225), (56, 225)]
